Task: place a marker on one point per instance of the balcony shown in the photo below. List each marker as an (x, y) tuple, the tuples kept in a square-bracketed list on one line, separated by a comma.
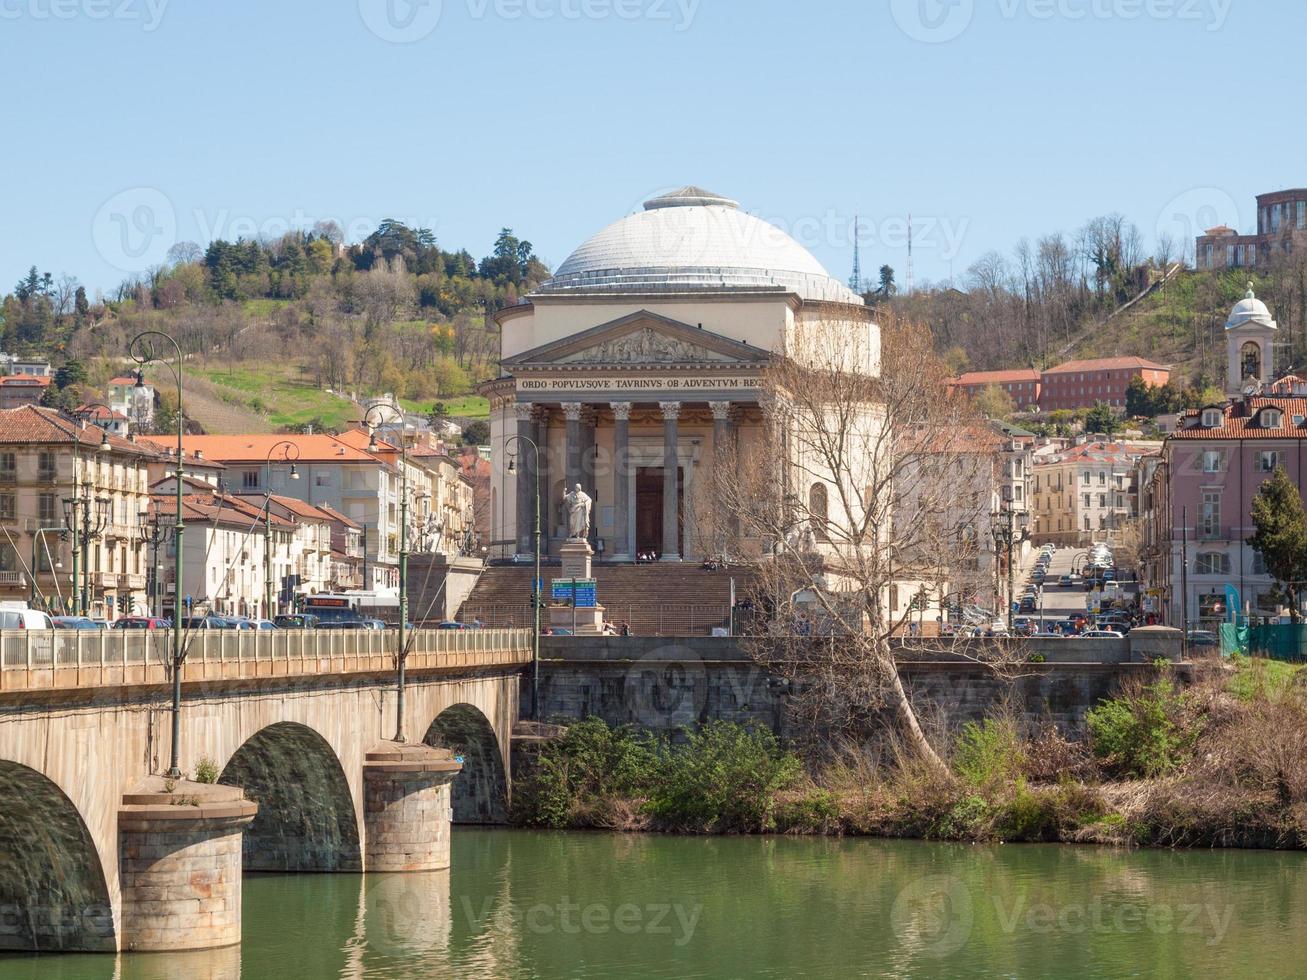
[(13, 580)]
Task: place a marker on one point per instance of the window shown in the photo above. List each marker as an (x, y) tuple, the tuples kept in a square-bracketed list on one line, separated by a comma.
[(1084, 478), (8, 557), (1270, 418), (1209, 518), (1102, 523), (1268, 460), (46, 510), (1085, 498), (8, 466), (1102, 478), (1211, 418), (8, 510), (1087, 525), (1212, 563), (1259, 563), (1102, 500), (250, 479), (45, 465), (1212, 460)]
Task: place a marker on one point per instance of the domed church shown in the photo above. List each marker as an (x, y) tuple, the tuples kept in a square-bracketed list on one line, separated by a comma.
[(639, 361)]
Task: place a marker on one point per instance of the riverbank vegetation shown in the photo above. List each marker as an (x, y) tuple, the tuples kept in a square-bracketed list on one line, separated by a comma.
[(1219, 762)]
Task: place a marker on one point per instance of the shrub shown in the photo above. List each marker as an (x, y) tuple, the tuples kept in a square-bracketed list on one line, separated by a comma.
[(723, 778), (988, 754), (206, 771), (1143, 732), (815, 812)]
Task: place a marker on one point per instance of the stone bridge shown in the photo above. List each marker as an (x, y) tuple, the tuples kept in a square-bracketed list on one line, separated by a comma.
[(98, 852)]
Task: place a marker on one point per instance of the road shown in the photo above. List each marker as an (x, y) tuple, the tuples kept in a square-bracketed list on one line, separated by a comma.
[(1061, 602)]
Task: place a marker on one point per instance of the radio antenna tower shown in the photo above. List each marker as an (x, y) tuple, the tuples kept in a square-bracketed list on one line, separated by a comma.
[(855, 280)]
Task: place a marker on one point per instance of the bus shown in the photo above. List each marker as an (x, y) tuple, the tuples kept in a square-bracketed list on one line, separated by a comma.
[(333, 608)]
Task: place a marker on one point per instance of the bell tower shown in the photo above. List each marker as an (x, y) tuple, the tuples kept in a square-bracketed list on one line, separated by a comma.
[(1249, 343)]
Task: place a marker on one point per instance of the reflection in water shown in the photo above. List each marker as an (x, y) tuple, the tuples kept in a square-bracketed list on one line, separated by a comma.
[(523, 904)]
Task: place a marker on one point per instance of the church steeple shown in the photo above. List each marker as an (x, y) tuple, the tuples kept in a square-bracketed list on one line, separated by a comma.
[(1249, 341)]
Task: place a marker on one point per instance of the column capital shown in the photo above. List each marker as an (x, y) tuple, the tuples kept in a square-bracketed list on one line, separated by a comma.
[(621, 410), (572, 411), (671, 410), (721, 411), (524, 410)]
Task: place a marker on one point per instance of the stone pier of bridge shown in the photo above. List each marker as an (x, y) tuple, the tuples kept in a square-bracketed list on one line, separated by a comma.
[(105, 854)]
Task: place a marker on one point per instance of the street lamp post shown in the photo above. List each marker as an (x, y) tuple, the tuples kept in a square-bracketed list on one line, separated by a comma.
[(401, 654), (143, 353), (155, 534), (535, 582), (81, 524), (1007, 522), (290, 454)]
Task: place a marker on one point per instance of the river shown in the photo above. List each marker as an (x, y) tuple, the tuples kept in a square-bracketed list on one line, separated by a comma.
[(533, 904)]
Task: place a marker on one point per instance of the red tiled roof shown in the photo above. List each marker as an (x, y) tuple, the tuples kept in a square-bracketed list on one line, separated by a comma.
[(27, 380), (997, 377), (1106, 364), (99, 412), (34, 424), (1240, 421), (338, 516), (127, 379), (255, 448)]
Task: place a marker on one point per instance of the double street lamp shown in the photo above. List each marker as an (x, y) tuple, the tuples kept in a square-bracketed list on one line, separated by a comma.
[(290, 453), (1009, 526), (515, 442), (143, 352), (155, 534), (81, 521)]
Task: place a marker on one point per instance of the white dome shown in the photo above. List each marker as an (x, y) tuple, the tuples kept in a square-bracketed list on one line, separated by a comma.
[(694, 240), (1250, 310)]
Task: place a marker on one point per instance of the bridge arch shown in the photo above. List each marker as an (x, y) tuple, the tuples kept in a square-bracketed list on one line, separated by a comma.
[(53, 892), (480, 791), (306, 819)]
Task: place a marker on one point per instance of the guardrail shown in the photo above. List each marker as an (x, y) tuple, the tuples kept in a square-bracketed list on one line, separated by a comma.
[(49, 659)]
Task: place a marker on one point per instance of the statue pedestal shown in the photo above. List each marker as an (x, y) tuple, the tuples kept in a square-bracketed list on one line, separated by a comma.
[(576, 557), (584, 620)]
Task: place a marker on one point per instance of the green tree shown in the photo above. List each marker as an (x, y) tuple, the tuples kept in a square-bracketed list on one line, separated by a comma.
[(72, 373), (1139, 398), (994, 403), (1280, 536), (886, 288), (1102, 418)]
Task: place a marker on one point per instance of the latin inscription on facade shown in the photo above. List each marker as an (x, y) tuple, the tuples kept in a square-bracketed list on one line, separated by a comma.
[(687, 383)]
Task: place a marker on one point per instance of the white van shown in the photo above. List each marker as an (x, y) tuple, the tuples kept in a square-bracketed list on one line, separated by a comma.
[(20, 616)]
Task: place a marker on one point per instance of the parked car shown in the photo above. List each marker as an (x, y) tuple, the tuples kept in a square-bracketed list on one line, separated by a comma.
[(22, 617), (1102, 635), (1203, 638), (74, 623), (297, 621), (263, 624), (1065, 581), (206, 623), (142, 623)]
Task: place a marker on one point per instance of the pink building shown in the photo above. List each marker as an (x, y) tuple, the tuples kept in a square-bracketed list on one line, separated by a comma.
[(1021, 385), (1199, 500)]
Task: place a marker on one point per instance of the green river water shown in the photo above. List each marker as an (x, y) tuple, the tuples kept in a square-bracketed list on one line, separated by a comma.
[(532, 904)]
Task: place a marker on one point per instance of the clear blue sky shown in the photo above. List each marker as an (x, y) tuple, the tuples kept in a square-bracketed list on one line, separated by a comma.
[(183, 119)]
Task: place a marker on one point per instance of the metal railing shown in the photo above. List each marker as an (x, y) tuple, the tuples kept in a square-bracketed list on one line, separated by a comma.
[(43, 659)]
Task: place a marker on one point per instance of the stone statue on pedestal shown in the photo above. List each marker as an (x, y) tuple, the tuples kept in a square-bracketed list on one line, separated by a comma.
[(577, 504)]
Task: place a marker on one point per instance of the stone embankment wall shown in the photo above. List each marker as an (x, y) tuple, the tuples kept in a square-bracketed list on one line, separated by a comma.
[(666, 683)]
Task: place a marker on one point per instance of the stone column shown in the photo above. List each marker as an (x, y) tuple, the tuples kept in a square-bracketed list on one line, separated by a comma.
[(721, 440), (526, 486), (179, 867), (572, 412), (406, 807), (621, 481), (671, 513)]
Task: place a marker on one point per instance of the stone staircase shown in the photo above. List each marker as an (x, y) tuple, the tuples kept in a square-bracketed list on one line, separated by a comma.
[(656, 599)]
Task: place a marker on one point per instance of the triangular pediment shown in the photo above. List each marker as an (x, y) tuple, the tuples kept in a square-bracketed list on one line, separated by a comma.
[(636, 339)]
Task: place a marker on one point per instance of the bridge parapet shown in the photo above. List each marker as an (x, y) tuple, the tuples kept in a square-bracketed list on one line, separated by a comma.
[(32, 660)]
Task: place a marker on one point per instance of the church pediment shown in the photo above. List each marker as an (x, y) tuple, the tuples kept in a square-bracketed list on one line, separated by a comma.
[(642, 338)]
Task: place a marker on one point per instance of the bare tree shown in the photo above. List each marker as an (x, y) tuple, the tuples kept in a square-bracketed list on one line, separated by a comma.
[(848, 503)]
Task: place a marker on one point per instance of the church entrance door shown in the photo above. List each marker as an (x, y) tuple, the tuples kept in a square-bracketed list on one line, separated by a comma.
[(649, 509)]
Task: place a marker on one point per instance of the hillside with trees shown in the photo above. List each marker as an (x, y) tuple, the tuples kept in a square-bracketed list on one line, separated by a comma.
[(285, 333)]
